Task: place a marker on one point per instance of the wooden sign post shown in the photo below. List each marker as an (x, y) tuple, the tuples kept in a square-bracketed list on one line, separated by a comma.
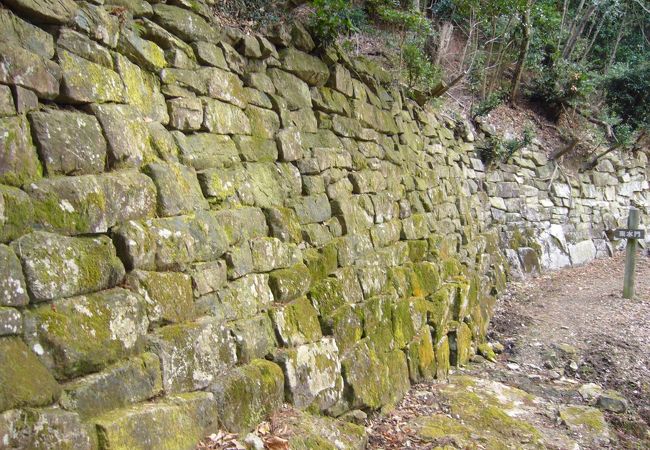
[(632, 234)]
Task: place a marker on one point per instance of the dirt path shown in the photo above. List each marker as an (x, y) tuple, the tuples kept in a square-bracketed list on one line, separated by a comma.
[(561, 331)]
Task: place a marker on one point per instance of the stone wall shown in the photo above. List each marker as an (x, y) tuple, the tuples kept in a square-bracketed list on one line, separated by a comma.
[(197, 225), (551, 217)]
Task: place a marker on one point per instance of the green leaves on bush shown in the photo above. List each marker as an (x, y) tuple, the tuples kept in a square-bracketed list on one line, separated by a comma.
[(334, 18)]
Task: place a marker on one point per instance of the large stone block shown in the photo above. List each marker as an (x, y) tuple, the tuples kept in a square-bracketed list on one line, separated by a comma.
[(19, 162), (244, 297), (141, 51), (86, 204), (11, 322), (186, 113), (377, 378), (206, 150), (84, 47), (193, 355), (24, 381), (185, 24), (288, 284), (98, 23), (177, 422), (69, 143), (167, 295), (254, 336), (79, 335), (224, 118), (255, 149), (84, 81), (24, 34), (311, 209), (242, 223), (142, 90), (12, 283), (57, 266), (20, 67), (296, 323), (271, 253), (264, 123), (308, 68), (46, 428), (248, 394), (122, 384), (208, 81), (178, 188), (127, 133), (171, 243), (312, 374), (291, 88)]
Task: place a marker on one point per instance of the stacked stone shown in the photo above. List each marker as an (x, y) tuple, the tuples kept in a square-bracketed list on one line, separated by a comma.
[(552, 219), (198, 225)]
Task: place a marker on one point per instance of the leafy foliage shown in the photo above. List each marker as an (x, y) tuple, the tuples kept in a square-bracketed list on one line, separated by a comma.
[(333, 18), (628, 94), (495, 148)]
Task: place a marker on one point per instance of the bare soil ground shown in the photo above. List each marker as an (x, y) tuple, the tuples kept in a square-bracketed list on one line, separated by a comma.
[(560, 331)]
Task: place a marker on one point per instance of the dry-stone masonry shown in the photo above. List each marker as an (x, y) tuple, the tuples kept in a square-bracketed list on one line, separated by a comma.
[(198, 225)]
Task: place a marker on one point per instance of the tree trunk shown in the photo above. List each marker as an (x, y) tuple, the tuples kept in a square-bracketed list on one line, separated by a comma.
[(446, 31), (612, 56), (523, 51), (577, 32)]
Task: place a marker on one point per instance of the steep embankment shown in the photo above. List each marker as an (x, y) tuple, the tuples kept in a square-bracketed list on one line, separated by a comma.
[(199, 225)]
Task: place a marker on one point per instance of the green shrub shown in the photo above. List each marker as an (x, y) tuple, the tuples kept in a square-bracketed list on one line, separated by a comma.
[(495, 148), (484, 107), (628, 94), (419, 70), (333, 18)]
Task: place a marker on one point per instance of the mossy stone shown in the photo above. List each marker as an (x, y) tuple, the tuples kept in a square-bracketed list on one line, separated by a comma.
[(421, 356), (288, 284), (84, 334), (345, 324), (23, 68), (24, 380), (296, 323), (122, 384), (178, 188), (315, 432), (177, 422), (12, 281), (19, 162), (248, 394), (255, 337), (84, 81), (57, 266)]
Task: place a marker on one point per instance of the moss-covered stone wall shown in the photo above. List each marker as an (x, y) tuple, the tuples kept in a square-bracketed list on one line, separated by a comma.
[(197, 225)]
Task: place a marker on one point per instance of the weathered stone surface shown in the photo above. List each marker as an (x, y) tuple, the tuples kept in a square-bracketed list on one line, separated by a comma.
[(198, 150), (249, 394), (586, 419), (139, 8), (288, 284), (312, 374), (308, 68), (144, 53), (283, 224), (24, 34), (58, 266), (341, 80), (84, 81), (210, 54), (612, 401), (19, 162), (209, 81), (97, 22), (167, 295), (13, 291), (24, 381), (208, 277), (311, 209), (244, 297), (16, 213), (255, 149), (193, 355), (45, 428), (84, 47), (271, 253), (142, 90), (377, 378), (296, 323), (7, 107), (224, 118), (171, 243), (291, 88), (582, 252), (83, 334), (243, 223), (289, 144), (11, 322), (264, 123), (76, 205), (255, 337), (163, 142), (26, 69), (177, 422), (58, 12), (178, 188), (127, 134), (69, 143), (122, 384), (185, 24), (185, 113), (314, 431)]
